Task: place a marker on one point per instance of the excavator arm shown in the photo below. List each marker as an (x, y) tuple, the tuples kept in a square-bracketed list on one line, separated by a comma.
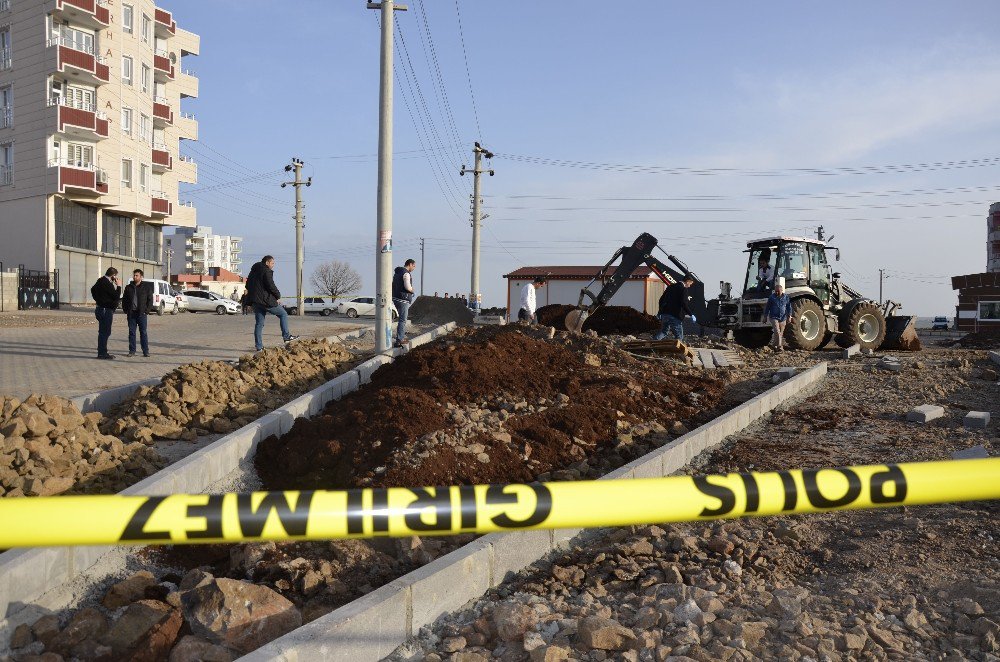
[(632, 257)]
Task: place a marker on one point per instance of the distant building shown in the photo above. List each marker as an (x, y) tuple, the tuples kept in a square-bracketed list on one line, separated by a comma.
[(641, 291), (197, 250), (978, 306), (218, 280)]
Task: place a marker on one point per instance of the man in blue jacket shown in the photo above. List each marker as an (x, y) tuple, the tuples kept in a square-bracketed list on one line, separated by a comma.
[(402, 297), (779, 307)]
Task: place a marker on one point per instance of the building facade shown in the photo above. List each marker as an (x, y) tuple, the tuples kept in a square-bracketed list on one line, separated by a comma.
[(196, 250), (641, 291), (978, 306), (90, 127)]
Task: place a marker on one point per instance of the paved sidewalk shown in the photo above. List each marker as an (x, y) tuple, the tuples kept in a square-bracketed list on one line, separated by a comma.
[(59, 358)]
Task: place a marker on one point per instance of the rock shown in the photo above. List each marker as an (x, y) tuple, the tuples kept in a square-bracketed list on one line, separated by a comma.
[(513, 620), (195, 578), (452, 644), (969, 607), (193, 649), (751, 632), (128, 591), (678, 428), (22, 636), (146, 631), (469, 656), (592, 359), (720, 545), (88, 623), (550, 654), (604, 634), (45, 628), (238, 615), (92, 651)]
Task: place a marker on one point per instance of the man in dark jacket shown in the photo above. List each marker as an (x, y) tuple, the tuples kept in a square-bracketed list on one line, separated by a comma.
[(106, 292), (673, 308), (137, 301), (265, 298), (402, 297)]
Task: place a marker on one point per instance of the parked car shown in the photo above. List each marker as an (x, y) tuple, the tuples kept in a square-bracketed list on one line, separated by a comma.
[(940, 324), (163, 297), (359, 306), (182, 302), (204, 301), (323, 306)]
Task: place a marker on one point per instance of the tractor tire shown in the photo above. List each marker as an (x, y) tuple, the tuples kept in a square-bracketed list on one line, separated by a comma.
[(827, 337), (752, 338), (865, 326), (806, 325)]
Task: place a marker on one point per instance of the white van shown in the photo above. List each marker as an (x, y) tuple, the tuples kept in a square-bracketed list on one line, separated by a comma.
[(163, 297)]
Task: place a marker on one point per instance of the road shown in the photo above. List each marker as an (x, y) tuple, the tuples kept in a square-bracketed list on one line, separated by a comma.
[(53, 351)]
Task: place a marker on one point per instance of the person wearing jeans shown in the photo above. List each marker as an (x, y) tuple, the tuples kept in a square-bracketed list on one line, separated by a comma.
[(673, 308), (402, 297), (106, 292), (265, 298), (137, 301), (778, 309)]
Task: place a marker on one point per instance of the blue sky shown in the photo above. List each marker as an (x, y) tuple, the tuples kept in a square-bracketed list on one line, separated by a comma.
[(590, 109)]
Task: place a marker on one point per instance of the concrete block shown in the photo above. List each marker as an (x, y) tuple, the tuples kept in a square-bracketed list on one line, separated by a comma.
[(422, 339), (31, 573), (512, 552), (367, 629), (995, 357), (647, 466), (848, 352), (925, 413), (269, 425), (367, 369), (784, 373), (447, 583), (976, 420), (974, 453), (103, 401)]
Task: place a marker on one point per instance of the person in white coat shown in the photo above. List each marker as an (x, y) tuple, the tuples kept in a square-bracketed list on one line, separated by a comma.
[(526, 313)]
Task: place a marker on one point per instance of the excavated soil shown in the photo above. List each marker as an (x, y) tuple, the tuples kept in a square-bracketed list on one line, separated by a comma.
[(438, 310), (981, 340), (607, 321)]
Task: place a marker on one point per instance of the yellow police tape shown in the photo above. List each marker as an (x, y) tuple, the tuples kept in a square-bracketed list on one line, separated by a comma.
[(324, 515)]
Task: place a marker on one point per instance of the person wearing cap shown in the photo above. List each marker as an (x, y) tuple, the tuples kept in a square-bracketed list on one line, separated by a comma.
[(526, 313), (673, 308), (778, 309)]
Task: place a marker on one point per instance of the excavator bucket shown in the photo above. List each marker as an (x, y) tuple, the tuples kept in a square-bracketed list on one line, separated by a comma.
[(575, 319), (901, 333)]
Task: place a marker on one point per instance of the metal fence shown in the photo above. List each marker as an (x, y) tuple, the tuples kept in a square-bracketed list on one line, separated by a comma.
[(37, 289)]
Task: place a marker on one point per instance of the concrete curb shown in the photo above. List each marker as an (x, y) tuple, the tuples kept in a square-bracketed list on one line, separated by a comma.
[(27, 574), (103, 401), (995, 357), (376, 624)]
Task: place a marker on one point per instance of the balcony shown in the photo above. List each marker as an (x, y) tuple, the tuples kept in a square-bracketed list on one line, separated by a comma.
[(162, 114), (163, 67), (165, 24), (80, 178), (91, 13), (93, 67), (187, 126), (187, 84), (162, 160), (161, 205), (184, 215), (79, 120), (187, 170)]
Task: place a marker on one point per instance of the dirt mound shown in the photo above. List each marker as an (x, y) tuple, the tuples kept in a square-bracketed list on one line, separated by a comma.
[(494, 404), (989, 339), (607, 321), (437, 310)]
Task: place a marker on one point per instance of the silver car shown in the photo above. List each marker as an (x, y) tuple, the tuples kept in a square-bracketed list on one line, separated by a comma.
[(204, 301)]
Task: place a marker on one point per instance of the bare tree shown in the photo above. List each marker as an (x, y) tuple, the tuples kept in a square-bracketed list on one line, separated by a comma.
[(335, 279)]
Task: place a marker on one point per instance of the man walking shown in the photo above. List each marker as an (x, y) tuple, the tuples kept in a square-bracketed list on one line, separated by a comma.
[(137, 301), (778, 309), (265, 298), (526, 313), (402, 297), (106, 292), (673, 308)]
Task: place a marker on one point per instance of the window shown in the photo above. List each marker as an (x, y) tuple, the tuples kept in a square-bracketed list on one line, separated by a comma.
[(143, 177), (127, 121), (76, 225), (126, 173), (6, 164), (117, 234), (126, 70), (6, 106), (147, 29), (989, 311), (76, 39), (147, 241), (146, 77), (80, 97), (80, 156), (145, 128), (128, 18), (5, 49)]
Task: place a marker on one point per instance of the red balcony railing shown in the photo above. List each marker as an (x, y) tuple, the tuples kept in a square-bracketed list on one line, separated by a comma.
[(161, 206), (162, 158), (76, 117), (89, 63), (162, 111), (166, 19), (81, 178), (162, 64), (96, 8)]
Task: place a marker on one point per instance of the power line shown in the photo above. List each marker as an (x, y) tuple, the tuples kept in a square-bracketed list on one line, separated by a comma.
[(468, 75)]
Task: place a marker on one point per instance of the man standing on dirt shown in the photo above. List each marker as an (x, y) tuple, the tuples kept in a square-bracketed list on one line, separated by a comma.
[(673, 308), (402, 297), (779, 307), (137, 301), (106, 292), (265, 298), (526, 313)]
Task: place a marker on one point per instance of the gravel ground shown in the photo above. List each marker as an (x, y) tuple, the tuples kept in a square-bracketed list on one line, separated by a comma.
[(910, 583)]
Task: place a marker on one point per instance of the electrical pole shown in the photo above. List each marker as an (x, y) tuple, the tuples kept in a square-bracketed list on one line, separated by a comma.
[(423, 266), (383, 237), (475, 298), (300, 218), (880, 272), (170, 254)]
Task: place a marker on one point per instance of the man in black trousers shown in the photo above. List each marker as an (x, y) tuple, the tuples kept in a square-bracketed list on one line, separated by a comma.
[(137, 301), (106, 292)]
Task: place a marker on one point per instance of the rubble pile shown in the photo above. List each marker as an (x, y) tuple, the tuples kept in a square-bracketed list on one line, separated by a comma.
[(218, 396), (606, 321), (438, 310), (48, 447)]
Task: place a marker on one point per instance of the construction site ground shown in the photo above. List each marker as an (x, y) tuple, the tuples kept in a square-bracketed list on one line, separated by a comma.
[(911, 583)]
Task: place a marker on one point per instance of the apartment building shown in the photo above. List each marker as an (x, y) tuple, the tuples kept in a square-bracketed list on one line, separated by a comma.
[(90, 125), (197, 250)]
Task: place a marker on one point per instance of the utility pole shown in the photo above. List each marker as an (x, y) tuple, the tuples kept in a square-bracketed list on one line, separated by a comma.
[(880, 273), (300, 218), (423, 266), (170, 254), (475, 298), (383, 237)]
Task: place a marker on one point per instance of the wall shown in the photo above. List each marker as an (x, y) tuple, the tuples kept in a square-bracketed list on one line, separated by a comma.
[(8, 292), (22, 232), (631, 294)]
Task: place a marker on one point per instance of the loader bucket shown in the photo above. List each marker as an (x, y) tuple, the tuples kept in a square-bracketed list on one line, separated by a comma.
[(575, 319), (901, 333)]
